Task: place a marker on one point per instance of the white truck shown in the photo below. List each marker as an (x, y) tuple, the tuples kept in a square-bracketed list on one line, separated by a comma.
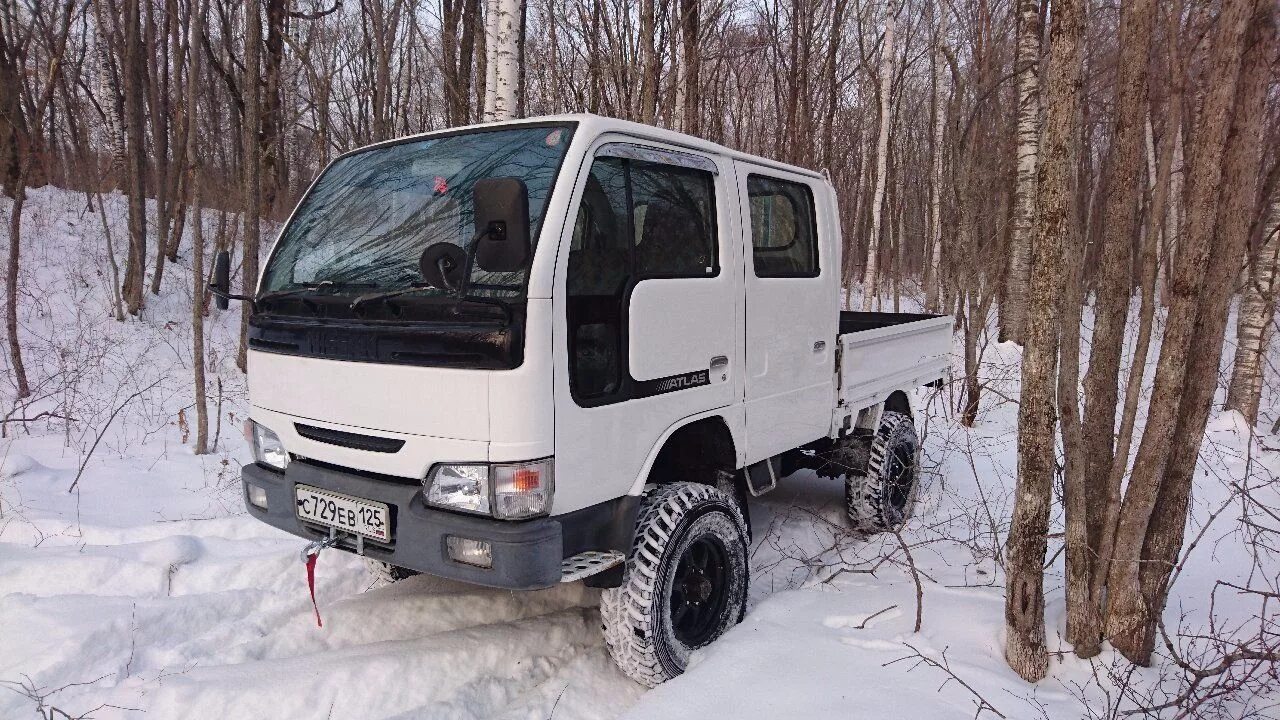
[(571, 348)]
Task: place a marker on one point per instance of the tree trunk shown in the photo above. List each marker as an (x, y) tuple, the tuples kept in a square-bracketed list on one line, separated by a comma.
[(505, 30), (158, 99), (11, 287), (1173, 216), (691, 69), (1013, 311), (1119, 227), (647, 98), (1241, 165), (870, 276), (934, 272), (1082, 620), (272, 112), (1127, 614), (1253, 328), (136, 161), (195, 22), (1028, 533), (252, 170), (1149, 278)]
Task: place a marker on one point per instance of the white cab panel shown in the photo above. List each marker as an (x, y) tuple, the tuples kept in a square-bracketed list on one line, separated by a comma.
[(678, 325), (437, 402), (521, 414), (791, 327), (411, 461)]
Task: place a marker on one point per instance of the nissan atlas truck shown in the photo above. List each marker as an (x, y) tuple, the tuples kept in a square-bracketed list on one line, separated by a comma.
[(571, 349)]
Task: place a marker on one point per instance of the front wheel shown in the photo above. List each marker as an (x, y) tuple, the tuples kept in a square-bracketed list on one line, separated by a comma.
[(684, 584)]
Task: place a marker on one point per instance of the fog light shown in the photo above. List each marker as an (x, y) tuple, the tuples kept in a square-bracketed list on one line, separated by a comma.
[(257, 496), (470, 552)]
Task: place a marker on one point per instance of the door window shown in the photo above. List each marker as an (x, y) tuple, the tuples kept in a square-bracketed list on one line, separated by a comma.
[(637, 220), (784, 233)]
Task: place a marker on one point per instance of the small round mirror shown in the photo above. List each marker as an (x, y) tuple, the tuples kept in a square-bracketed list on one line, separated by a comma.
[(442, 265)]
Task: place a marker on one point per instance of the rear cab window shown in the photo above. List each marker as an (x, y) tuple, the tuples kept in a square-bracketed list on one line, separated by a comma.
[(784, 229)]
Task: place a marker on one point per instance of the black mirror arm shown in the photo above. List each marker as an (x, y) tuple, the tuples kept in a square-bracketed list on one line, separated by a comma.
[(460, 292), (219, 292)]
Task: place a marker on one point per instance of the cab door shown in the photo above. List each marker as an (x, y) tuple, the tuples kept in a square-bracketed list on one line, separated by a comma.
[(648, 327), (791, 308)]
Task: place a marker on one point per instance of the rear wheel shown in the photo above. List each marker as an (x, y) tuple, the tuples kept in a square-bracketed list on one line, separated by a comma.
[(880, 499), (684, 584)]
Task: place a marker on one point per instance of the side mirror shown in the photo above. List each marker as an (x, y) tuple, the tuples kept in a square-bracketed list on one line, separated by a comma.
[(502, 224), (221, 283)]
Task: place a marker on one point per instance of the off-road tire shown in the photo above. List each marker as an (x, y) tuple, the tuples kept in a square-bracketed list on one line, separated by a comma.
[(881, 499), (382, 573), (675, 522)]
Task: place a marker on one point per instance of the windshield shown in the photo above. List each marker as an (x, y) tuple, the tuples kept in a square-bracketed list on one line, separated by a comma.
[(365, 223)]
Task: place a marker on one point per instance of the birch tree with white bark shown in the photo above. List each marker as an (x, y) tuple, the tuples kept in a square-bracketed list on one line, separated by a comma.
[(870, 277), (504, 25), (1013, 313)]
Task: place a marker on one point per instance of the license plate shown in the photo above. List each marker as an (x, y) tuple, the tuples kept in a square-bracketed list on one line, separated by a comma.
[(362, 517)]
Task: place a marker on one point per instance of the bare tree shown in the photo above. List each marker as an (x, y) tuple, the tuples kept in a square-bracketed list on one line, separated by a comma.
[(38, 98), (1013, 310), (133, 91), (1024, 602), (884, 91), (1254, 327), (252, 168), (1204, 260)]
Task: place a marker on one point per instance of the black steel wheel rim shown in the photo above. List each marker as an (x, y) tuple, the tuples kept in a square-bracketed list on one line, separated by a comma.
[(700, 591), (900, 475)]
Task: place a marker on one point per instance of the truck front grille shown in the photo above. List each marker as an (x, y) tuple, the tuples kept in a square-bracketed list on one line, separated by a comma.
[(342, 438)]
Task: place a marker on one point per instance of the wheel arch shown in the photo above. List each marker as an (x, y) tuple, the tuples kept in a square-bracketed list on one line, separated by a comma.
[(692, 450), (898, 401)]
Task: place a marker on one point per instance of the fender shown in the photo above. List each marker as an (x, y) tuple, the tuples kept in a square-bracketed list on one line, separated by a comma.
[(735, 425)]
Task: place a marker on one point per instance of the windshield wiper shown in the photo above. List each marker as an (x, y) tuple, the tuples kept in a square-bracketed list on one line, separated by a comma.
[(306, 287), (374, 297)]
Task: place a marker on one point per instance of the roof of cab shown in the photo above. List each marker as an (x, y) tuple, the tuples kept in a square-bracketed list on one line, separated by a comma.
[(598, 124)]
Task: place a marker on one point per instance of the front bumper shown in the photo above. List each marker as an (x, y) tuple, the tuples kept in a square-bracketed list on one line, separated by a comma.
[(526, 554)]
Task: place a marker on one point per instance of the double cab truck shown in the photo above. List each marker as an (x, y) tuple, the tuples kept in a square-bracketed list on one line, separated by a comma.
[(566, 349)]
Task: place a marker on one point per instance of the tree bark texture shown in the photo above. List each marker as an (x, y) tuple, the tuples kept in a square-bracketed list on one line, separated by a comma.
[(1127, 613), (252, 170), (1024, 594), (1013, 311), (1241, 165), (136, 161), (1119, 227), (870, 278), (1253, 325)]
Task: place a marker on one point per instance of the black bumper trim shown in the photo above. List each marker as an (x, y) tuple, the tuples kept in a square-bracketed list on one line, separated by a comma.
[(526, 554)]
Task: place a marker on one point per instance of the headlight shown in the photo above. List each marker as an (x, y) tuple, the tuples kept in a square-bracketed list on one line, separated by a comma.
[(459, 487), (508, 491), (267, 448)]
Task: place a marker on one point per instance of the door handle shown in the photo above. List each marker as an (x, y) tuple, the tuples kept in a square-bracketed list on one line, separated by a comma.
[(719, 362), (820, 345)]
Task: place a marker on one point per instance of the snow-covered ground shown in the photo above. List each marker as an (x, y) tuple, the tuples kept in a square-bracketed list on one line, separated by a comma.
[(149, 592)]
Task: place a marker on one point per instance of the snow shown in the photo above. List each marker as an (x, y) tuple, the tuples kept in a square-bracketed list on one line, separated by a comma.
[(149, 592)]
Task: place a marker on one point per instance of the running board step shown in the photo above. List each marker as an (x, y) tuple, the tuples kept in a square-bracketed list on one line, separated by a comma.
[(586, 564)]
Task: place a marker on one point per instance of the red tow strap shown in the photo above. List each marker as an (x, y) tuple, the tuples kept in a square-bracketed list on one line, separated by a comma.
[(311, 584)]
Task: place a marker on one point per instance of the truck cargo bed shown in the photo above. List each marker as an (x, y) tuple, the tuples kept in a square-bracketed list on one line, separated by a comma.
[(880, 352)]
